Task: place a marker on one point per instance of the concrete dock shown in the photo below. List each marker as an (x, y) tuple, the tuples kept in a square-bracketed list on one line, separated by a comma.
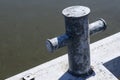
[(105, 61)]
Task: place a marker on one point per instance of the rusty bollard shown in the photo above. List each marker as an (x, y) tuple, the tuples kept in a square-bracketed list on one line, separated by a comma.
[(76, 38)]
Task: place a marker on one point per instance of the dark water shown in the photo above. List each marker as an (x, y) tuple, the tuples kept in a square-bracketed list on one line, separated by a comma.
[(26, 24)]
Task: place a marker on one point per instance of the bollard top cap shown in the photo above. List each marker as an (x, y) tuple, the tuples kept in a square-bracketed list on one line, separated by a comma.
[(76, 11)]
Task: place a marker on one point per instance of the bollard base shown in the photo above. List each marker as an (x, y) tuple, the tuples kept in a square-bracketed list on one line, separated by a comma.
[(86, 75)]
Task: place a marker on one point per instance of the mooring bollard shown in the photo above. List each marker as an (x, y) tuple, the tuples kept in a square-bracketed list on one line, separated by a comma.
[(77, 38)]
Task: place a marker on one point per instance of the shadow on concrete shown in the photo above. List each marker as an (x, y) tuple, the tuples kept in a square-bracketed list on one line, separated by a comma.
[(114, 66), (68, 76)]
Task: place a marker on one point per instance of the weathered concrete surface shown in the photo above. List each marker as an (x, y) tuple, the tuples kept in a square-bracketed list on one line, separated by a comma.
[(102, 52)]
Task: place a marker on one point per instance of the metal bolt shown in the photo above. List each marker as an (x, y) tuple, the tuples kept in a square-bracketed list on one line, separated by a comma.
[(29, 77)]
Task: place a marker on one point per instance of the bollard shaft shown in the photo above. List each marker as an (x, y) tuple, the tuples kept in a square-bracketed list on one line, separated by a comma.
[(76, 24)]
